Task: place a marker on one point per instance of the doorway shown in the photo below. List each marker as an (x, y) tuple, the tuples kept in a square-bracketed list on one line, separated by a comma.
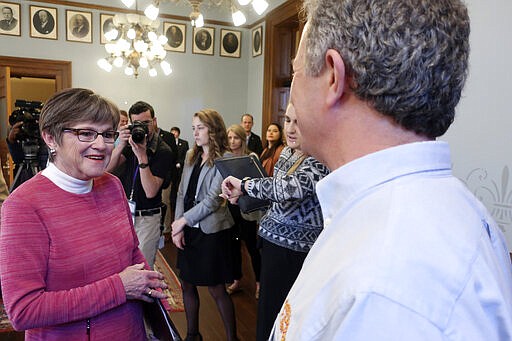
[(28, 79)]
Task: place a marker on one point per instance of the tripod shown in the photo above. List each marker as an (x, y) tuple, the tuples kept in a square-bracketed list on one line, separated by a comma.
[(29, 166)]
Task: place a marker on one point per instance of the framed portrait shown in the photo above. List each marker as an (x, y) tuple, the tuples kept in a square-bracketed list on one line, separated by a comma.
[(230, 43), (79, 26), (10, 18), (107, 24), (43, 22), (257, 41), (175, 34), (203, 40)]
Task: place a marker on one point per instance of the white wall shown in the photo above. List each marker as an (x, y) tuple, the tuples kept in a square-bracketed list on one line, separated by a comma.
[(197, 81), (481, 137)]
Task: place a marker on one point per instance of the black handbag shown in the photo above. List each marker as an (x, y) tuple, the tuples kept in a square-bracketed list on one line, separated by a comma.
[(160, 322)]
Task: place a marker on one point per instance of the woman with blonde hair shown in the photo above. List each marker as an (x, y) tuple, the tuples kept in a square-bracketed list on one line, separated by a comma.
[(201, 230), (245, 225)]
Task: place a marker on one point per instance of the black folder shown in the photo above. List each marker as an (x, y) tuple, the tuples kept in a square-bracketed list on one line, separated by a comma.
[(160, 322), (241, 167)]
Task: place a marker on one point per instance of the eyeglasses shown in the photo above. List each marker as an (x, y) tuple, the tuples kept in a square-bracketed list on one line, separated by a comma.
[(89, 135)]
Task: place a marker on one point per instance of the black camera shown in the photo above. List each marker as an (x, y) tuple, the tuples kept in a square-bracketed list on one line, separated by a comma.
[(28, 113), (139, 130)]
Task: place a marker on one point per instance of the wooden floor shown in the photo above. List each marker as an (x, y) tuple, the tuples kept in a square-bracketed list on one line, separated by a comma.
[(210, 323)]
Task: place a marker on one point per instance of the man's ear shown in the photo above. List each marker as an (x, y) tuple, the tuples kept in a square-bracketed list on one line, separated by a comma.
[(336, 76)]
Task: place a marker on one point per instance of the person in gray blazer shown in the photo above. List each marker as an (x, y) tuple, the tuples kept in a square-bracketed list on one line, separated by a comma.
[(202, 227)]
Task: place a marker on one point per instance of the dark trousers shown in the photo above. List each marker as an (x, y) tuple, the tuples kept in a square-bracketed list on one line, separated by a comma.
[(279, 269), (247, 231)]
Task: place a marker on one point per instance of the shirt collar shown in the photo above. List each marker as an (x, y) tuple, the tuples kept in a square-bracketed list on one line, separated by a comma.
[(341, 186), (66, 182)]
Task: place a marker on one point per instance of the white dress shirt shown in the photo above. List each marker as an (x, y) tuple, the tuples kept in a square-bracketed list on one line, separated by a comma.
[(407, 253)]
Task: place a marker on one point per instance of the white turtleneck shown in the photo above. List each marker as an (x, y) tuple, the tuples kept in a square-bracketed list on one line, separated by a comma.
[(66, 182)]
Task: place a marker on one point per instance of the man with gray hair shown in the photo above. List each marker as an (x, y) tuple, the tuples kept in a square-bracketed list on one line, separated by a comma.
[(407, 252)]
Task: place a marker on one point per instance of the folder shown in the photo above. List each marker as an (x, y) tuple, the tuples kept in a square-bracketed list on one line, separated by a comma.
[(241, 167)]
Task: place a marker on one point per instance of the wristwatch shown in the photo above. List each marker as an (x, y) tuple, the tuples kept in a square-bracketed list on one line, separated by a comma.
[(143, 165), (242, 185)]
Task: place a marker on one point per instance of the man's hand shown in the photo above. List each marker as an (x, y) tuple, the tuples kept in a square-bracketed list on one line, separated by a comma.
[(139, 149), (14, 131)]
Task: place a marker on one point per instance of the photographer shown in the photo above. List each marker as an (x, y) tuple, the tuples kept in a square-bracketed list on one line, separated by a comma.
[(28, 150), (147, 161)]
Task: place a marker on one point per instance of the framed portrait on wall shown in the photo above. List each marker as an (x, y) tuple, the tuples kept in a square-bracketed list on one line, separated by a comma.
[(79, 26), (10, 18), (203, 40), (257, 41), (106, 25), (175, 34), (230, 43), (43, 22)]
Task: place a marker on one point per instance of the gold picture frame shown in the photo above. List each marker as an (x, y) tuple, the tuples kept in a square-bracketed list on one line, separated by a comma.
[(43, 22), (79, 26), (257, 41), (176, 36), (230, 43), (10, 26), (203, 40)]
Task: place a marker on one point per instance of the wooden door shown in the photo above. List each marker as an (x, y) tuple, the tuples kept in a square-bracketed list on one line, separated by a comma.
[(5, 111)]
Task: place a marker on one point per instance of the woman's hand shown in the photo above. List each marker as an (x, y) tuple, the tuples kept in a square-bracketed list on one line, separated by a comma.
[(231, 189), (140, 284), (178, 235)]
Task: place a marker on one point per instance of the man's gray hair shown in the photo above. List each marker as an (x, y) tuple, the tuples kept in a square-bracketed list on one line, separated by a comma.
[(406, 58)]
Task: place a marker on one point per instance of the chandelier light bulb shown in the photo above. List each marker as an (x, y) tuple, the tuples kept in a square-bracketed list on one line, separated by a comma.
[(152, 72), (199, 21), (166, 67), (128, 3), (238, 18), (123, 45), (162, 39), (152, 36), (143, 62), (128, 71), (112, 34), (151, 12), (131, 33), (118, 61), (259, 6), (104, 64), (244, 2)]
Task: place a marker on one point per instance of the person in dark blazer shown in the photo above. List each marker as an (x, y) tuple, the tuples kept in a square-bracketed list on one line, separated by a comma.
[(202, 229), (181, 150), (253, 141)]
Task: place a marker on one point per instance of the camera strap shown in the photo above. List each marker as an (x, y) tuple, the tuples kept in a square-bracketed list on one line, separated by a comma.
[(131, 203)]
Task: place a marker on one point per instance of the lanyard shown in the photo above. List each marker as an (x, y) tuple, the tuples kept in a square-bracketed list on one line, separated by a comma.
[(133, 180)]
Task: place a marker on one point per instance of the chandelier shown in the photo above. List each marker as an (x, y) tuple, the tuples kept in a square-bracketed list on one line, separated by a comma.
[(196, 17), (133, 44)]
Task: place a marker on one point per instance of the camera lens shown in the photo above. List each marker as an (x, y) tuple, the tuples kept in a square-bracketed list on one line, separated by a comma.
[(138, 134)]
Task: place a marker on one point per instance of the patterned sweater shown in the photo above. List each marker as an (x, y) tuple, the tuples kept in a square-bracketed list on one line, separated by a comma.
[(294, 220), (60, 258)]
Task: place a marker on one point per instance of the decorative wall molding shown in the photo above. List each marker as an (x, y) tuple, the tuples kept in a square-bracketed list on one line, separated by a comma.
[(495, 194)]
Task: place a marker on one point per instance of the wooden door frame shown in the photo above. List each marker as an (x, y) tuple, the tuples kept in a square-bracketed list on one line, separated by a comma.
[(275, 18), (40, 68), (36, 68)]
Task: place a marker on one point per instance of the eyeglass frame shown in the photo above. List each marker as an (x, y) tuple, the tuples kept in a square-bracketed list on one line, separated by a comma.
[(76, 132)]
